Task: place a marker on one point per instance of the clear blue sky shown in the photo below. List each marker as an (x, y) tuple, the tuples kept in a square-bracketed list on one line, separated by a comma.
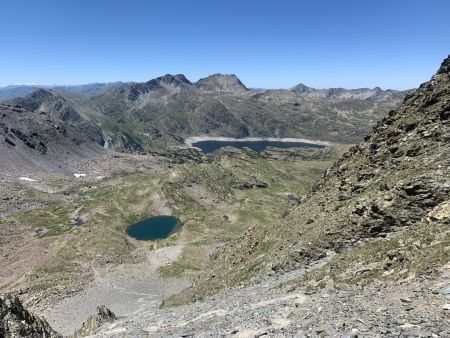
[(271, 44)]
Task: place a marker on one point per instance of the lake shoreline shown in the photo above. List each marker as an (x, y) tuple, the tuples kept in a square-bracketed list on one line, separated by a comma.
[(194, 139)]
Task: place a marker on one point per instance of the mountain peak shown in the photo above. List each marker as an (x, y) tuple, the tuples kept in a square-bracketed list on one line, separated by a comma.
[(302, 88), (178, 80), (38, 98), (221, 82), (43, 94)]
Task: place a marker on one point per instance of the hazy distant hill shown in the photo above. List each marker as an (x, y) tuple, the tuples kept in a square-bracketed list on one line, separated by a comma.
[(13, 91)]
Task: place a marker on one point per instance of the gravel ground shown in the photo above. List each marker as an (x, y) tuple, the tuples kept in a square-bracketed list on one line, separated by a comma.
[(123, 289), (409, 309)]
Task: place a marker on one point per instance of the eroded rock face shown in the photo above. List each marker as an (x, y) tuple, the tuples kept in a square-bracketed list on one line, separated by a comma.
[(16, 322), (94, 322)]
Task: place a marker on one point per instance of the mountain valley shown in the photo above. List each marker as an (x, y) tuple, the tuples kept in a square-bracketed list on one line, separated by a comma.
[(347, 240)]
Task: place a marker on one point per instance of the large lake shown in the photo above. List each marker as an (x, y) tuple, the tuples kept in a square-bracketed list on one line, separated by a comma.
[(211, 145), (156, 227)]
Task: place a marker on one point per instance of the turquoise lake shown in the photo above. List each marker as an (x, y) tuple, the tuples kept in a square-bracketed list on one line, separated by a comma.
[(156, 227)]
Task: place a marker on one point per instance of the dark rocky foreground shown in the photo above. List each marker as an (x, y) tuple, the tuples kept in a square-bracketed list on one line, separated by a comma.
[(16, 322)]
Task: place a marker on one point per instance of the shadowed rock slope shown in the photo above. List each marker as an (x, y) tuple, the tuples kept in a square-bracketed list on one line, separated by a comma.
[(17, 322), (381, 212), (31, 140), (50, 102)]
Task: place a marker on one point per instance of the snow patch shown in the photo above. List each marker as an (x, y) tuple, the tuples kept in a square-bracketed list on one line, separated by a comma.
[(27, 179)]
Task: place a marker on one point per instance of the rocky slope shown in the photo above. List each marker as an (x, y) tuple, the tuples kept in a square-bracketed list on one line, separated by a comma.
[(271, 309), (36, 140), (383, 209), (17, 322), (49, 101)]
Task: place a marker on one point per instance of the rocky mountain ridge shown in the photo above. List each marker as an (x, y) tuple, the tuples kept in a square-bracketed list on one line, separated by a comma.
[(360, 93), (159, 113), (221, 105), (34, 140), (51, 102)]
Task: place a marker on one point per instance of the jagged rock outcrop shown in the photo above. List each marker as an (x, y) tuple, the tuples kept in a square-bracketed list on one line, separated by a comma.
[(17, 322), (93, 323), (392, 184), (221, 82)]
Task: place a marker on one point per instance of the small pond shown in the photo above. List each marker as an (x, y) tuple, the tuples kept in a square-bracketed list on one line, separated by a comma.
[(212, 145), (156, 227)]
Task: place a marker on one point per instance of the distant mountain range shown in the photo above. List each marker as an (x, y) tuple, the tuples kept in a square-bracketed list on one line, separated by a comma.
[(136, 117), (13, 91), (214, 82)]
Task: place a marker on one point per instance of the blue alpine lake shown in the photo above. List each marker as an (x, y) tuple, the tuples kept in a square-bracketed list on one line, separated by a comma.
[(211, 145), (156, 227)]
